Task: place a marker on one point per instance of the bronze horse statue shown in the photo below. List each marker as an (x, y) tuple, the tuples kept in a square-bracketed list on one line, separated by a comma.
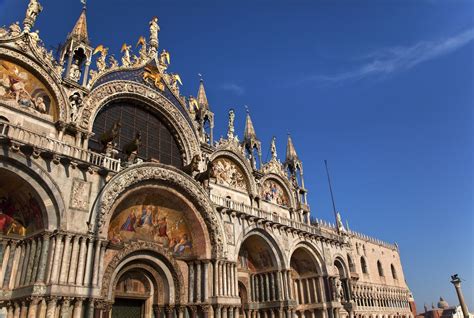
[(192, 166), (203, 177), (110, 135)]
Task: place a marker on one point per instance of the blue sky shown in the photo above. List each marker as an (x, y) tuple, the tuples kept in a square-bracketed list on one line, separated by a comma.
[(381, 89)]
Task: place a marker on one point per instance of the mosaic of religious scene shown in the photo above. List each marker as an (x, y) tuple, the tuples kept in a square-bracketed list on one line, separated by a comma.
[(147, 217), (274, 192), (229, 174), (20, 88), (20, 211), (19, 218), (255, 255)]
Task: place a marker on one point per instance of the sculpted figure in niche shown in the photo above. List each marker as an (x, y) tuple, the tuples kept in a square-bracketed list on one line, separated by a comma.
[(76, 104), (75, 71)]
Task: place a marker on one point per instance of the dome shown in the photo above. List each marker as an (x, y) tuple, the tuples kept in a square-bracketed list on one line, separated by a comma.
[(443, 304)]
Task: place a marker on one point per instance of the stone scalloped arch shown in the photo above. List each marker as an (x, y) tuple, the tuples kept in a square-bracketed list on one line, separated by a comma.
[(169, 176), (313, 250), (284, 183), (270, 239), (44, 185), (144, 251), (114, 90), (44, 75), (242, 163), (340, 258)]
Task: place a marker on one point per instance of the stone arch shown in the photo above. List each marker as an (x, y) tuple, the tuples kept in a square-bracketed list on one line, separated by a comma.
[(158, 174), (52, 203), (313, 252), (152, 258), (45, 75), (241, 162), (117, 90), (284, 183), (270, 241)]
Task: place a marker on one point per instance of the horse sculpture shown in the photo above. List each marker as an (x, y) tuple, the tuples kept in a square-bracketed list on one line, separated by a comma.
[(110, 135), (203, 177), (192, 166)]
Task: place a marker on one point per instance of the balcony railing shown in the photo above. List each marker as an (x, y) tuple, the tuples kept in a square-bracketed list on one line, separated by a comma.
[(24, 136), (259, 213)]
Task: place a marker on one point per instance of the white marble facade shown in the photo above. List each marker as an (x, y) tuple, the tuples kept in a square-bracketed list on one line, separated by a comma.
[(210, 231)]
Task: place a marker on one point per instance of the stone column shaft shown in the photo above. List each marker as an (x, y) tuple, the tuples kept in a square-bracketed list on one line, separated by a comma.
[(191, 282), (74, 260), (95, 274), (43, 262), (198, 281), (206, 281), (81, 262), (65, 260), (56, 259), (6, 258), (88, 269)]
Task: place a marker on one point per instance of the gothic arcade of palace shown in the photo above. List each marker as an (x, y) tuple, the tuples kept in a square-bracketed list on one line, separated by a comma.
[(116, 201)]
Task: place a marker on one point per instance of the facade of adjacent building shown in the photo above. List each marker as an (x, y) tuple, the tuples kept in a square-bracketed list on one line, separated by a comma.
[(116, 201)]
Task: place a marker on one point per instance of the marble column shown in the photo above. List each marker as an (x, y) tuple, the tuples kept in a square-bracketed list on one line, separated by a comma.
[(56, 259), (26, 262), (95, 274), (322, 289), (32, 261), (19, 264), (280, 292), (74, 260), (217, 311), (36, 260), (317, 292), (231, 312), (16, 313), (272, 286), (308, 289), (65, 308), (81, 262), (257, 288), (206, 280), (219, 278), (51, 309), (224, 312), (77, 313), (10, 310), (6, 258), (43, 261), (224, 278), (32, 310), (65, 260), (191, 282), (290, 285), (101, 263), (267, 287), (198, 281), (14, 268), (88, 269)]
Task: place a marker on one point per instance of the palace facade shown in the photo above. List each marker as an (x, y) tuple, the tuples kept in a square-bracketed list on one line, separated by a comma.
[(116, 201)]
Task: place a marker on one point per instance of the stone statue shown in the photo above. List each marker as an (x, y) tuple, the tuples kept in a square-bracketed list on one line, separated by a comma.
[(339, 224), (154, 29), (34, 37), (126, 55), (75, 71), (339, 290), (14, 29), (34, 8), (101, 60), (230, 128), (113, 62), (76, 104), (143, 55), (273, 148), (108, 137)]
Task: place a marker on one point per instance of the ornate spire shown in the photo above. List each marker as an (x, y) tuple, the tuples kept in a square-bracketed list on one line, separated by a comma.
[(201, 95), (79, 32), (290, 151), (249, 133)]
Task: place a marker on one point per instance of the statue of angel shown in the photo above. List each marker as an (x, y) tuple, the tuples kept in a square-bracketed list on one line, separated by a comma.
[(101, 60), (126, 54)]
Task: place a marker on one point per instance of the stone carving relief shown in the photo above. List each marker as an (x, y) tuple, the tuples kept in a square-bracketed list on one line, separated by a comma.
[(227, 173), (80, 193), (229, 231)]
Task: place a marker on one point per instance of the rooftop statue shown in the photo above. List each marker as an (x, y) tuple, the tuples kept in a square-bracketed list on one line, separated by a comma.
[(34, 8)]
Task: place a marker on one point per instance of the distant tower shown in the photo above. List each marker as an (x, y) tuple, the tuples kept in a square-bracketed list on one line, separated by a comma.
[(294, 167), (251, 142), (77, 52), (204, 116)]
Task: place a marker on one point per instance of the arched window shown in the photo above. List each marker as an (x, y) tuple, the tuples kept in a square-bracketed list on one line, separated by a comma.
[(157, 140), (394, 273), (363, 265), (379, 267)]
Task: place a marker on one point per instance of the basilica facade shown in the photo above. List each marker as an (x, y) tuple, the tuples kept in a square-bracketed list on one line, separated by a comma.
[(117, 201)]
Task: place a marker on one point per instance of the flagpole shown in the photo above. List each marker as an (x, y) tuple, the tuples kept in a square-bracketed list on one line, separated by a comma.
[(330, 190)]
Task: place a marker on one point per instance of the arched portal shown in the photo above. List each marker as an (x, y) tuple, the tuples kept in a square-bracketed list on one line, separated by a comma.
[(21, 208), (307, 283), (259, 271)]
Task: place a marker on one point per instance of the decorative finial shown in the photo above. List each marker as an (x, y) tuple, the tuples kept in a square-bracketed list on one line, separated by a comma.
[(200, 77), (154, 30), (273, 148), (247, 109), (32, 12), (230, 128), (84, 4)]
